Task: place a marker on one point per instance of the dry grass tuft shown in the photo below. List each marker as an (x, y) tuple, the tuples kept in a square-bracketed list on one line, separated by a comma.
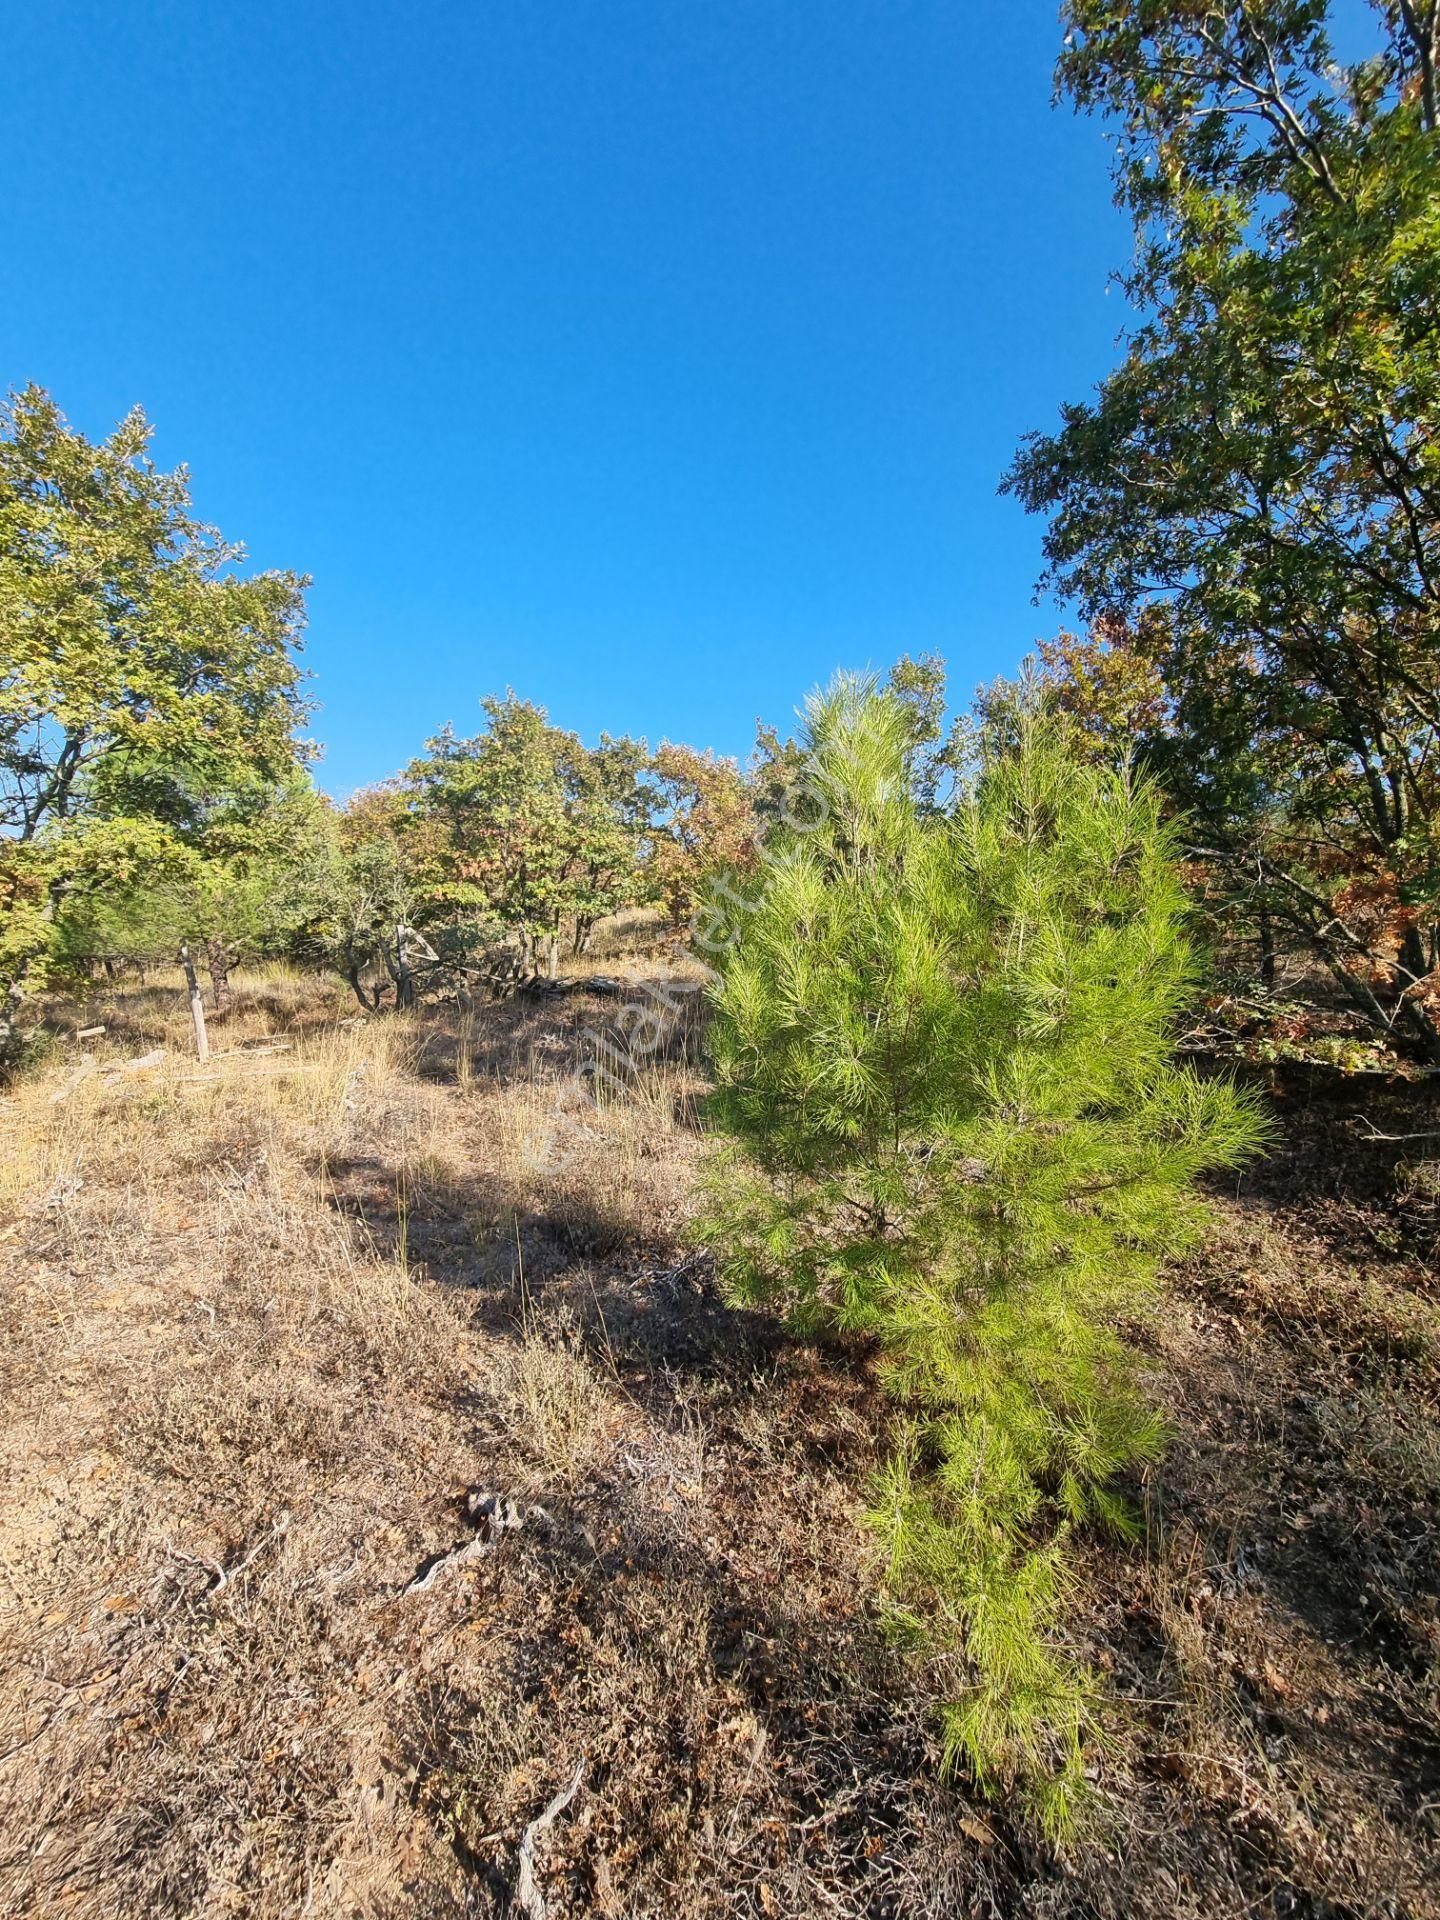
[(551, 1404)]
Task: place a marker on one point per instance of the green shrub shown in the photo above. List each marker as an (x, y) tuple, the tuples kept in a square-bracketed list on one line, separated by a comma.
[(943, 1063)]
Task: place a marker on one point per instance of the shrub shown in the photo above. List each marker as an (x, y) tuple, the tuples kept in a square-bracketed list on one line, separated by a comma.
[(954, 1124)]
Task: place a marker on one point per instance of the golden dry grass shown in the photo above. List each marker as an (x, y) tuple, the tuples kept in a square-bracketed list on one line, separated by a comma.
[(213, 1363)]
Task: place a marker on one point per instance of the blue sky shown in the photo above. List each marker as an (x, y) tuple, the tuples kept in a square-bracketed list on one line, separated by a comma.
[(652, 357)]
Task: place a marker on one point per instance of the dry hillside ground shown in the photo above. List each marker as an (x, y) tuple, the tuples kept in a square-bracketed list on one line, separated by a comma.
[(280, 1333)]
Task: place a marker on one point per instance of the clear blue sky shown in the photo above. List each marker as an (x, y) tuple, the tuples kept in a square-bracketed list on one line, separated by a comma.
[(653, 357)]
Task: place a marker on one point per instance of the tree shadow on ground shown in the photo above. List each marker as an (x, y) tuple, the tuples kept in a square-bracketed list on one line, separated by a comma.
[(1327, 1169)]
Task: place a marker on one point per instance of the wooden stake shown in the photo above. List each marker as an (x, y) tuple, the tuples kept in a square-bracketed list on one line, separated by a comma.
[(197, 1007)]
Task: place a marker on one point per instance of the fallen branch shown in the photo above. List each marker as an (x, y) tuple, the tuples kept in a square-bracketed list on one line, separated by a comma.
[(1393, 1138), (82, 1072), (528, 1896), (1399, 1069), (496, 1515), (211, 1079), (282, 1525), (475, 1549), (142, 1063), (597, 983)]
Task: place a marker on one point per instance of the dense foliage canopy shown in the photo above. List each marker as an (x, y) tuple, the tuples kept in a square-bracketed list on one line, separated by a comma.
[(1250, 508)]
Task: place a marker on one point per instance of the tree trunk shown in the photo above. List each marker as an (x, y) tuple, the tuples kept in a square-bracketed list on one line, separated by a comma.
[(197, 1006), (404, 980), (552, 954), (1414, 960), (352, 974), (218, 960), (11, 1042), (1419, 1012), (1267, 950), (1426, 1031)]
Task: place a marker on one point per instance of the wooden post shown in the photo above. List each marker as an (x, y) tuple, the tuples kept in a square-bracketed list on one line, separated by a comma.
[(197, 1006)]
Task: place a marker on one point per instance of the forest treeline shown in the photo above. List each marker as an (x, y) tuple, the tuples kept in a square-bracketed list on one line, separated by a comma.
[(156, 787), (1247, 514)]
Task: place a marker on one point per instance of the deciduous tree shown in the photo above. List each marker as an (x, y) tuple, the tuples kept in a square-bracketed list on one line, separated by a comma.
[(1264, 463), (526, 826), (704, 820), (132, 647)]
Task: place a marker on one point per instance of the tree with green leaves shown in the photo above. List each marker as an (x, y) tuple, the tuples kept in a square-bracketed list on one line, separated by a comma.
[(126, 632), (229, 876), (136, 662), (368, 904), (527, 827), (499, 801), (1262, 469), (943, 1073), (608, 805), (703, 820)]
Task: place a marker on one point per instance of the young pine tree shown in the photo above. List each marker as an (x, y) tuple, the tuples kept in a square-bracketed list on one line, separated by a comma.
[(954, 1125)]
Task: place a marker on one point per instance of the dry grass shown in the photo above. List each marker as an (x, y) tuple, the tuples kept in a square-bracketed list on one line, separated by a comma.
[(269, 1327), (206, 1359), (552, 1405)]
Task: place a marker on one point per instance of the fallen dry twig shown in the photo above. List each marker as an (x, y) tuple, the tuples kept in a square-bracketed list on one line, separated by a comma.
[(475, 1549), (528, 1896), (1390, 1139), (222, 1576)]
